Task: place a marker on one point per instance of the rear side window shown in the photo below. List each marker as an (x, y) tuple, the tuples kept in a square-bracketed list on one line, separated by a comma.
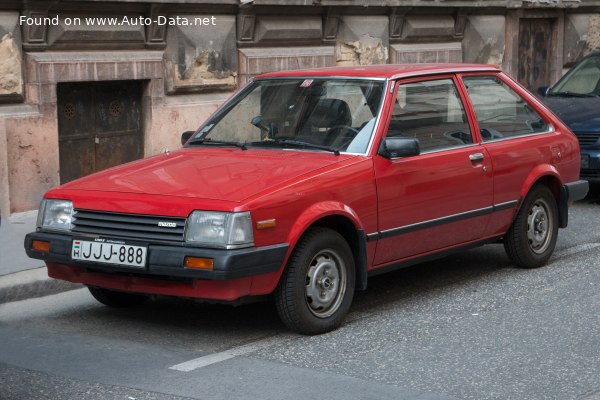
[(501, 112), (432, 112)]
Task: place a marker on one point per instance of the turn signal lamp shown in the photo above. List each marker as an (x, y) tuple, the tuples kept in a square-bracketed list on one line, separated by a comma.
[(199, 263), (41, 246), (266, 224)]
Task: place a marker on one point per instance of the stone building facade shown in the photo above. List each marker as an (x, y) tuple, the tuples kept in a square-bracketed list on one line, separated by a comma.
[(86, 84)]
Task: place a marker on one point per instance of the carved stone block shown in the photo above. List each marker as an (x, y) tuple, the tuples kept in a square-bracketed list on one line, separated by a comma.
[(421, 26), (362, 40), (425, 53), (35, 33), (484, 39), (11, 67), (74, 32), (331, 26), (201, 58), (582, 35), (254, 61), (289, 30), (246, 27)]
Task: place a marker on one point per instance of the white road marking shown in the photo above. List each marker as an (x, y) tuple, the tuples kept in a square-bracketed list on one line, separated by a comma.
[(214, 358)]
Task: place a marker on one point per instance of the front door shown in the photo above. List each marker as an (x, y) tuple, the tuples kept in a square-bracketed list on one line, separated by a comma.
[(441, 197), (99, 126), (535, 44)]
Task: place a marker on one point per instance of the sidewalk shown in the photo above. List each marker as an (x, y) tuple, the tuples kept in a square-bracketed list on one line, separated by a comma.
[(20, 276)]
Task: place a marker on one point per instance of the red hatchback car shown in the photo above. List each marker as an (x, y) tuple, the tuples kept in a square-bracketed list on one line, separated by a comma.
[(305, 183)]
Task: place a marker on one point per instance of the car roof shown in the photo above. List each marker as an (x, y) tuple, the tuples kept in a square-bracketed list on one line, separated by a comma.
[(385, 70)]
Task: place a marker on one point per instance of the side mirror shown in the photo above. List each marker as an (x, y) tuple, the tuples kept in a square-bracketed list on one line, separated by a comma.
[(394, 147), (544, 90), (185, 136)]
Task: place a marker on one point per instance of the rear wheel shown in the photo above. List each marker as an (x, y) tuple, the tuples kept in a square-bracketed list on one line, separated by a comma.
[(316, 290), (116, 299), (531, 239)]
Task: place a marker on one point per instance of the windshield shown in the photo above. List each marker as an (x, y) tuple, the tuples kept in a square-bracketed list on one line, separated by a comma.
[(583, 79), (312, 114)]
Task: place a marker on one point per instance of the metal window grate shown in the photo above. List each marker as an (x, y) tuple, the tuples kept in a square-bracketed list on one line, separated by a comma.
[(115, 108), (69, 111), (133, 226)]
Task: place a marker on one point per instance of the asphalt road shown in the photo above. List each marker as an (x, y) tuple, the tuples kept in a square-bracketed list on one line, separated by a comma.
[(470, 326)]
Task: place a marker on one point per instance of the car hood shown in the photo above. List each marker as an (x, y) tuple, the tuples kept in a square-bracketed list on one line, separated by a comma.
[(215, 173), (581, 114)]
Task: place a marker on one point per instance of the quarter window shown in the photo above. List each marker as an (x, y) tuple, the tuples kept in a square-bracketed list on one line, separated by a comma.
[(432, 112), (501, 112)]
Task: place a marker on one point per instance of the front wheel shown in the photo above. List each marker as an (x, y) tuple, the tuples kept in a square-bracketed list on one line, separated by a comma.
[(116, 299), (316, 289), (531, 239)]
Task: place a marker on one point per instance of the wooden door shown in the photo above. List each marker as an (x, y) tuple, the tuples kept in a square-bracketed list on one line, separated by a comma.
[(535, 45), (99, 126)]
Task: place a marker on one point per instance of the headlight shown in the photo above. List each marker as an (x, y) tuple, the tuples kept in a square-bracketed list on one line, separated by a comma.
[(220, 229), (55, 214)]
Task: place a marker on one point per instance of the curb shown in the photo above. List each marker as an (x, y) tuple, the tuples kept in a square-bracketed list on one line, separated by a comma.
[(31, 283)]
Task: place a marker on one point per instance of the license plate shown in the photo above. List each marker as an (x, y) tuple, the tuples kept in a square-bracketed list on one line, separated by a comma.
[(109, 253), (585, 161)]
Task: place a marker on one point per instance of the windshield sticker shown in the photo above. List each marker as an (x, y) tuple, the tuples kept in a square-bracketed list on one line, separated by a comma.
[(306, 83)]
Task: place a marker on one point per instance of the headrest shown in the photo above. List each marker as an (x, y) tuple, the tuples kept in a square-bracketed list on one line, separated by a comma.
[(330, 112)]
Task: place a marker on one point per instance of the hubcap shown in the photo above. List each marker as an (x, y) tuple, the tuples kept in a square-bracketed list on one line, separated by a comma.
[(539, 227), (325, 283)]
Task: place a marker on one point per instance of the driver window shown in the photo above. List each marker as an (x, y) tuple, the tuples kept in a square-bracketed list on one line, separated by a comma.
[(432, 112)]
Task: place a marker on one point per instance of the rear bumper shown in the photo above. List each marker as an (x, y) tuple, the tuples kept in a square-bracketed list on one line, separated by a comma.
[(577, 190), (569, 193), (236, 273)]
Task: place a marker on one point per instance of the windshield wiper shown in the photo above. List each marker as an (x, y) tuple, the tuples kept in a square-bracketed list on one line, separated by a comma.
[(572, 94), (213, 141), (305, 144)]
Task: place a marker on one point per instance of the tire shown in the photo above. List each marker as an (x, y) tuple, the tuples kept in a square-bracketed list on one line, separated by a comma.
[(531, 239), (115, 299), (315, 292)]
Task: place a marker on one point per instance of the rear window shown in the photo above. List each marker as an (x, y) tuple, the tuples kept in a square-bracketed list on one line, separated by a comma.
[(501, 112)]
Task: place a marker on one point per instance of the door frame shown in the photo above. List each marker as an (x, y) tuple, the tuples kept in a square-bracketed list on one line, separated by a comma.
[(510, 63)]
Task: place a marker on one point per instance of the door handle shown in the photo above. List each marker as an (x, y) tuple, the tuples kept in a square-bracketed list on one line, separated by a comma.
[(476, 157)]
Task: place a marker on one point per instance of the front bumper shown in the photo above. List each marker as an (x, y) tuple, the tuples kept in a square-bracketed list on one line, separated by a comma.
[(590, 164), (167, 261)]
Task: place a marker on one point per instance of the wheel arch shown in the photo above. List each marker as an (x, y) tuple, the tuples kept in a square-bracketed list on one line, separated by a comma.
[(548, 176), (343, 220)]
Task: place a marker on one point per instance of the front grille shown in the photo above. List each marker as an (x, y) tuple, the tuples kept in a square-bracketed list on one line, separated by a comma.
[(142, 227), (589, 173), (587, 139)]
